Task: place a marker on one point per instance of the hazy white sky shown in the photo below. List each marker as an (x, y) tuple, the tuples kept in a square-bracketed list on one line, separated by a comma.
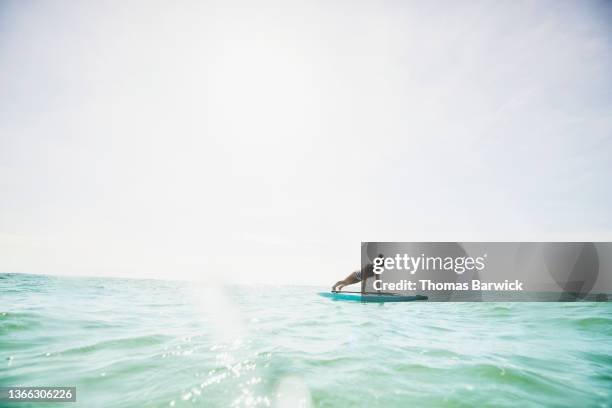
[(262, 141)]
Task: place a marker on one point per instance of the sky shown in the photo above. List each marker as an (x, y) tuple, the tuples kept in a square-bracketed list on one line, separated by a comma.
[(261, 142)]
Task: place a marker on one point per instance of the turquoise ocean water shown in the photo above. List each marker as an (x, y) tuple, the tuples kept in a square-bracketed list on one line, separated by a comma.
[(147, 343)]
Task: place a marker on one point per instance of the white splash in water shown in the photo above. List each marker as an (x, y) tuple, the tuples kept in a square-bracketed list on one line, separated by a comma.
[(292, 392)]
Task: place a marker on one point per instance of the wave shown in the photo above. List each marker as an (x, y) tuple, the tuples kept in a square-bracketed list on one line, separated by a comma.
[(126, 344)]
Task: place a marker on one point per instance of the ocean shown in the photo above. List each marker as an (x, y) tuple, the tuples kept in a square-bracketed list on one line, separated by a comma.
[(153, 343)]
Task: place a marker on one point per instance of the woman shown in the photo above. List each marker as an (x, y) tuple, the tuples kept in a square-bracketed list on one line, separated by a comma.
[(357, 276)]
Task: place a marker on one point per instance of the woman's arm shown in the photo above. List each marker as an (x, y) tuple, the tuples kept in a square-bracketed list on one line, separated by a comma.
[(349, 280)]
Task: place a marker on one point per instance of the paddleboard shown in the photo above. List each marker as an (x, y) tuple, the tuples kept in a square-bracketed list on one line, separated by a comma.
[(358, 297)]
